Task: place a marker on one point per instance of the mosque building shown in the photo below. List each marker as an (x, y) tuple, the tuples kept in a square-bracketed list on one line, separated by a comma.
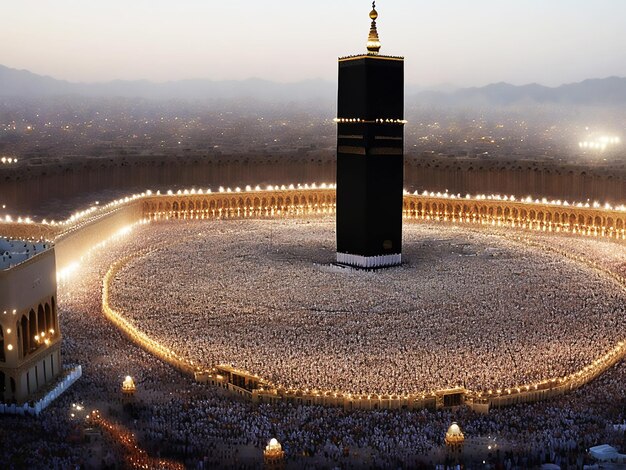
[(30, 340)]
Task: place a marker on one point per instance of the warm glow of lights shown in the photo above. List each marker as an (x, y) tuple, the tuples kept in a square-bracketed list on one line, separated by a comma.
[(64, 274), (488, 210), (600, 144)]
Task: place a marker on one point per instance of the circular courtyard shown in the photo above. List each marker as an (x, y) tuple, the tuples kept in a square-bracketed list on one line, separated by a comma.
[(473, 308)]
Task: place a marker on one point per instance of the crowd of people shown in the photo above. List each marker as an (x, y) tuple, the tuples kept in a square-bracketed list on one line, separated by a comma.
[(175, 417), (467, 308)]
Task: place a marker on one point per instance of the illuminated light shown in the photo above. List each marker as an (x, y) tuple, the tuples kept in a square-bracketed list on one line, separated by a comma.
[(65, 273), (10, 347)]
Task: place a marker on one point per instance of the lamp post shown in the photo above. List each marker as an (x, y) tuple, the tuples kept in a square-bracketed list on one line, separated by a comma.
[(128, 387), (274, 455), (454, 442)]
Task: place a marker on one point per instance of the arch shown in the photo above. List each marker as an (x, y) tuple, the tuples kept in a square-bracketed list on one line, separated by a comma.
[(41, 320), (2, 356), (49, 327), (23, 329), (32, 330), (55, 318)]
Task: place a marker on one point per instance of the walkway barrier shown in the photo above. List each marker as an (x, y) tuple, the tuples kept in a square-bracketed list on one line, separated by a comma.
[(71, 375)]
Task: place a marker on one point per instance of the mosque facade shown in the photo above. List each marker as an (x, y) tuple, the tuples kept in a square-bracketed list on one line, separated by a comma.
[(30, 340)]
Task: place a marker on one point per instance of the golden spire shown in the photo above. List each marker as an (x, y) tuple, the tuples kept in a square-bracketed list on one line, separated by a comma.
[(373, 42)]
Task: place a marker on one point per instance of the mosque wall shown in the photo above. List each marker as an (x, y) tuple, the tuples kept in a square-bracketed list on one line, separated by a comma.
[(25, 188), (518, 178), (76, 241)]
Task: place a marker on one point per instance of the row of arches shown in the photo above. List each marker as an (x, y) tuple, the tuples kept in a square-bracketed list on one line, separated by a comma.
[(248, 205), (530, 215), (37, 328), (525, 215)]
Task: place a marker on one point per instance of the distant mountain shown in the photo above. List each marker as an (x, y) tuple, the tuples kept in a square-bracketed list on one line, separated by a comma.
[(607, 92), (21, 83)]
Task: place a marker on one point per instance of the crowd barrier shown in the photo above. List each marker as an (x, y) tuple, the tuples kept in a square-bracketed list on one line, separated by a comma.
[(71, 375)]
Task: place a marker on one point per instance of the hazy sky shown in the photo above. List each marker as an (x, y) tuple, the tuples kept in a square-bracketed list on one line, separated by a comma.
[(460, 42)]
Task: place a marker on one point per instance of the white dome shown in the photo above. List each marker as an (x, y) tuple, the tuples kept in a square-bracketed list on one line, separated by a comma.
[(274, 446), (454, 436), (454, 430)]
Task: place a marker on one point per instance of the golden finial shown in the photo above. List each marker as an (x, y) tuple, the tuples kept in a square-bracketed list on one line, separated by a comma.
[(373, 13), (373, 42)]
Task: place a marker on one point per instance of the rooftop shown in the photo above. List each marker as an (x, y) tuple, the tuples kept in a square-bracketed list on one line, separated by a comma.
[(13, 252)]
